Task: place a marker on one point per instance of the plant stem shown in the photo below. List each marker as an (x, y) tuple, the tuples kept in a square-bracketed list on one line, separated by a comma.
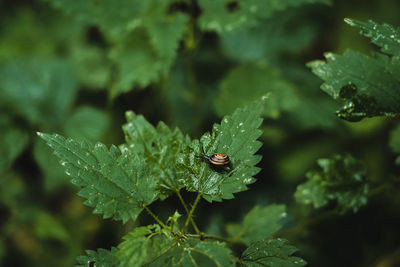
[(191, 212), (155, 217), (187, 212)]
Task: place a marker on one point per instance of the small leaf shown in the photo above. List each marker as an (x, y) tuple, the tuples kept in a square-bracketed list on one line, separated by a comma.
[(101, 258), (144, 245), (159, 148), (341, 178), (272, 253), (195, 253), (383, 35), (260, 223), (114, 182), (153, 246), (237, 137)]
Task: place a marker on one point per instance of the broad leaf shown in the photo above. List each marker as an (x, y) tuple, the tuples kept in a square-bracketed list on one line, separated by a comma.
[(366, 86), (101, 258), (158, 147), (33, 89), (341, 179), (249, 82), (284, 33), (272, 253), (383, 35), (87, 122), (260, 223), (116, 183), (226, 15), (237, 137)]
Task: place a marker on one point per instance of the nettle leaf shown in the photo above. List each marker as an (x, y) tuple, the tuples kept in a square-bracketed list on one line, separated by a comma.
[(237, 137), (394, 142), (195, 253), (383, 35), (271, 38), (152, 246), (158, 147), (227, 15), (259, 224), (341, 179), (144, 34), (116, 183), (366, 86), (33, 89), (273, 253), (262, 79), (101, 258), (144, 245)]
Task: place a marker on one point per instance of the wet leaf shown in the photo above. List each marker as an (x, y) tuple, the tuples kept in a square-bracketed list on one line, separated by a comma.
[(158, 147), (237, 137), (114, 182), (341, 179), (273, 253), (383, 35)]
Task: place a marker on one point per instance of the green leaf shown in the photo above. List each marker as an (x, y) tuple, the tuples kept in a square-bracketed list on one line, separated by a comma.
[(35, 88), (195, 253), (260, 223), (273, 253), (237, 137), (261, 79), (144, 245), (101, 258), (158, 147), (116, 183), (383, 35), (286, 32), (341, 179), (144, 34), (368, 86), (87, 122), (47, 226), (152, 246), (227, 15), (137, 62), (12, 142)]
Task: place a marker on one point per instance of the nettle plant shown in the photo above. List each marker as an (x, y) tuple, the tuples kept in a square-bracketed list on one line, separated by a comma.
[(157, 162)]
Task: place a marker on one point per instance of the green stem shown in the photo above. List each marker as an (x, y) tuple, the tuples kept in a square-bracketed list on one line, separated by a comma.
[(155, 217), (187, 212), (191, 212)]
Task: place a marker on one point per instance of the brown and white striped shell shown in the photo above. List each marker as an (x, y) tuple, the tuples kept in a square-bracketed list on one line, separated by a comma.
[(219, 159)]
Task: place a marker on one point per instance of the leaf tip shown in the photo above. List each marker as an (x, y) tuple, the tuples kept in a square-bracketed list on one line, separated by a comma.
[(349, 21)]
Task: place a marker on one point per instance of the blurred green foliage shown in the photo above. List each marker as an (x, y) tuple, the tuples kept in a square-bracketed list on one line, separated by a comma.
[(75, 67)]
